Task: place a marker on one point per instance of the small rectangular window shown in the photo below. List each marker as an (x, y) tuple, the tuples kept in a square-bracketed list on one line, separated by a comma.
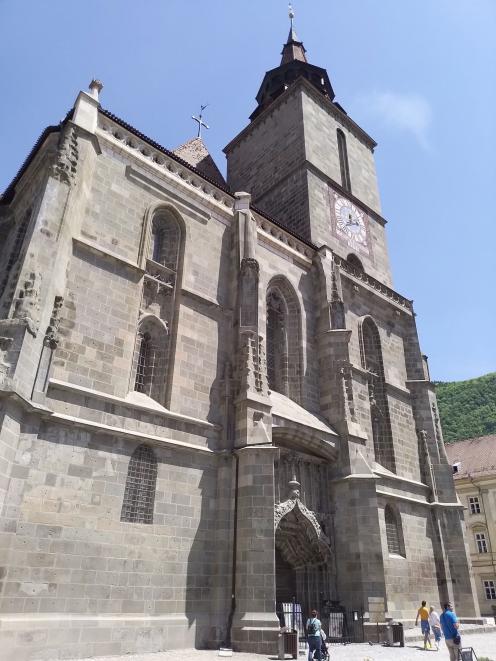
[(490, 589), (474, 505), (480, 540)]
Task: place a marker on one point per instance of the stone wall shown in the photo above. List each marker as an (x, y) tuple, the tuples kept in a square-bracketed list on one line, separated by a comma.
[(71, 553)]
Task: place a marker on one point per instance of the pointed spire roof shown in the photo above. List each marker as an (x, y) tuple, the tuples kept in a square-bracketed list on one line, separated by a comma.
[(294, 65), (293, 50), (196, 154)]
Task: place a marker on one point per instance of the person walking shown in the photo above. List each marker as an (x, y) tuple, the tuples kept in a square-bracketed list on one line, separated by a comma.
[(423, 614), (313, 636), (435, 626), (450, 625)]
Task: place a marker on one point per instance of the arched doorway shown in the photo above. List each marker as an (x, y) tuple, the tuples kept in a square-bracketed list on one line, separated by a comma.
[(303, 559)]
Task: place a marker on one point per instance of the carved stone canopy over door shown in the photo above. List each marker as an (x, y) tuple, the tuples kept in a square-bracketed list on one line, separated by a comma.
[(299, 536)]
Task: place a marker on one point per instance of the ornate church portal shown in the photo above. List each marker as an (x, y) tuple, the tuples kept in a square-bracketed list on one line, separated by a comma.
[(303, 549)]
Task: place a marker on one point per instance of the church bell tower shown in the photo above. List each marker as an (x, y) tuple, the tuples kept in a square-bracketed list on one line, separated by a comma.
[(307, 164)]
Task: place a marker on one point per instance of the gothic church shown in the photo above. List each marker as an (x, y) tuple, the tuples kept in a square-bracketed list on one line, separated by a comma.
[(212, 398)]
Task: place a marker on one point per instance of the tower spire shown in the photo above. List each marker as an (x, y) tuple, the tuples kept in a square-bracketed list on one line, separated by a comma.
[(293, 49)]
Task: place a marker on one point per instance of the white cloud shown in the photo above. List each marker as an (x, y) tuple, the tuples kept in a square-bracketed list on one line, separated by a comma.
[(405, 112)]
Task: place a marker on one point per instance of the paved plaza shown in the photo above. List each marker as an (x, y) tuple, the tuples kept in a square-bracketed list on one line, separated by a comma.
[(483, 644)]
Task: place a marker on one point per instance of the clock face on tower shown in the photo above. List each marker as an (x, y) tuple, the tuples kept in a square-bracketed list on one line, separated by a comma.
[(351, 224)]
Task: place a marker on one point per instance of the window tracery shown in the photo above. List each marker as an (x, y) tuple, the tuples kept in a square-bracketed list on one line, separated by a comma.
[(283, 339), (379, 409)]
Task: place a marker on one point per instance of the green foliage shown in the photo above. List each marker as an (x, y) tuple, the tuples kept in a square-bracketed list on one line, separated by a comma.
[(467, 408)]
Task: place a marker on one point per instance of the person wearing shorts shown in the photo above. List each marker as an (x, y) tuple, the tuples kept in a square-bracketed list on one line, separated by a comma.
[(423, 614), (435, 626)]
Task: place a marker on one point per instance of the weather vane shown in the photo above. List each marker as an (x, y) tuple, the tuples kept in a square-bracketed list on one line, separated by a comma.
[(200, 121), (291, 14)]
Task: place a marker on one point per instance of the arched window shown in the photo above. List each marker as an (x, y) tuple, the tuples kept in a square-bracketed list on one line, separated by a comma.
[(379, 409), (353, 261), (277, 342), (283, 339), (394, 532), (166, 240), (343, 161), (144, 368), (139, 494), (151, 358), (160, 255)]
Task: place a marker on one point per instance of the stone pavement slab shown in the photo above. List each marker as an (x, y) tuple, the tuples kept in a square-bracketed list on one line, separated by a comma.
[(483, 644)]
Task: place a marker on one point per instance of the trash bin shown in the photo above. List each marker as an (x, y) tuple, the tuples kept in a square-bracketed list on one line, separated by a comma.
[(398, 633), (291, 643)]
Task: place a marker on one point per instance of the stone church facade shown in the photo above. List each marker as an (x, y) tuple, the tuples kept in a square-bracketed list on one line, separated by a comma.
[(212, 398)]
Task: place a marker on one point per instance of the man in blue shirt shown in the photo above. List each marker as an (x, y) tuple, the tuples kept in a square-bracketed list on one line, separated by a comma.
[(450, 625)]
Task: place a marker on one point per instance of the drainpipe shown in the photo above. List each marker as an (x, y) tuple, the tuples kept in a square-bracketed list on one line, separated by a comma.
[(228, 639)]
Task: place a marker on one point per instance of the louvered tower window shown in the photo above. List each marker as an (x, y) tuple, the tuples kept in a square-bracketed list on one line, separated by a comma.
[(343, 161)]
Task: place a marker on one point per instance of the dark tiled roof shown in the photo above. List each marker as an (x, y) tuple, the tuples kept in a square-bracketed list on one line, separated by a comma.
[(8, 194), (174, 156), (477, 456)]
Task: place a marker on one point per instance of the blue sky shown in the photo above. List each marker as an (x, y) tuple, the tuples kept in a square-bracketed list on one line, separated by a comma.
[(418, 75)]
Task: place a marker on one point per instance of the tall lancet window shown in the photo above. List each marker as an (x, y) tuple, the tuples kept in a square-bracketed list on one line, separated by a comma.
[(343, 161), (379, 407), (144, 367), (166, 240), (277, 342), (151, 358), (283, 339), (139, 494), (394, 531), (161, 253)]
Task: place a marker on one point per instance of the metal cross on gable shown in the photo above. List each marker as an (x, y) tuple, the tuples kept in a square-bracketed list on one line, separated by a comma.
[(200, 121)]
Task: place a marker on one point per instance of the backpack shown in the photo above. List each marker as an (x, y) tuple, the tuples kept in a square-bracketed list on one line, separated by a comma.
[(312, 628)]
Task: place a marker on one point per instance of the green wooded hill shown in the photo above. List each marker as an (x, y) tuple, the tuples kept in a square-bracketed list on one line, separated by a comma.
[(467, 408)]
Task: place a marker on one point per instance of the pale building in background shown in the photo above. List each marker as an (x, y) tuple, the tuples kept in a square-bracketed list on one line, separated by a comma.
[(474, 470)]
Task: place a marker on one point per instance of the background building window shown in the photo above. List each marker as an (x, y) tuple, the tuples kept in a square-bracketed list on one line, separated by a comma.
[(394, 532), (474, 505), (139, 494), (480, 540), (490, 589)]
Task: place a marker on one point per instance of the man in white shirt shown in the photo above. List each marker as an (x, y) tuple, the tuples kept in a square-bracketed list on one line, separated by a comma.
[(435, 625), (313, 636)]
